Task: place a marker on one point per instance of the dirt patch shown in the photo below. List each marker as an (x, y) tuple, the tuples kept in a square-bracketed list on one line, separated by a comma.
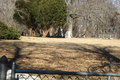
[(75, 54)]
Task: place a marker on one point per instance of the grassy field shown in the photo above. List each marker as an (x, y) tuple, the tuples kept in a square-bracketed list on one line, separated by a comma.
[(74, 54)]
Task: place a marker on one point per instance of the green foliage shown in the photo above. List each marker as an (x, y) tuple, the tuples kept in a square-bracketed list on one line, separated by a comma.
[(41, 12), (3, 26), (8, 32), (22, 14), (50, 12)]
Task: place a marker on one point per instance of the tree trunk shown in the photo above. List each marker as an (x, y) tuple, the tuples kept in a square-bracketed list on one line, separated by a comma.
[(30, 31), (45, 32), (70, 26), (69, 19)]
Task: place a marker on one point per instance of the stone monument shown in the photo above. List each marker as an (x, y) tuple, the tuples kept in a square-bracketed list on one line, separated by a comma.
[(60, 32), (67, 35)]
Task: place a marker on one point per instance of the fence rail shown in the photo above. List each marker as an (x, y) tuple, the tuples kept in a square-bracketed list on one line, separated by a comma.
[(65, 72), (76, 75)]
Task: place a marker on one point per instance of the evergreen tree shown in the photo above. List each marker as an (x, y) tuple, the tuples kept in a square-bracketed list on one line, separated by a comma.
[(44, 13)]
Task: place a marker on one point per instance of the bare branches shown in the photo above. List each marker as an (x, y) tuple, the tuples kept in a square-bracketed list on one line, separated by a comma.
[(21, 11), (93, 15)]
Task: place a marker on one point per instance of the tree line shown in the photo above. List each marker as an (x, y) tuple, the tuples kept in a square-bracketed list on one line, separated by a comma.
[(93, 17), (80, 17), (40, 13)]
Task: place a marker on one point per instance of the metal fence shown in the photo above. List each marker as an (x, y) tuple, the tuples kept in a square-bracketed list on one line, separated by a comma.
[(27, 74)]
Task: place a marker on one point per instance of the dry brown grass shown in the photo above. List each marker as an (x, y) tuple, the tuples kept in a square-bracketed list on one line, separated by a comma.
[(75, 54)]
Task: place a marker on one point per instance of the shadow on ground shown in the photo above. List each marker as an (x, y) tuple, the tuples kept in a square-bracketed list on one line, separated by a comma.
[(59, 56)]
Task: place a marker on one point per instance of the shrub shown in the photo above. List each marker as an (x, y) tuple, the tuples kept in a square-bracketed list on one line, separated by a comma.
[(8, 32)]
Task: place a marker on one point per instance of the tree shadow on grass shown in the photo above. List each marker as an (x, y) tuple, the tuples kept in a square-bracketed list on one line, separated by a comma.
[(52, 56), (113, 61), (103, 52), (16, 56)]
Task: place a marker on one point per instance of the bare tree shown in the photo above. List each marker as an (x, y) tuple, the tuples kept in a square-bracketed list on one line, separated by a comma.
[(6, 14), (93, 15)]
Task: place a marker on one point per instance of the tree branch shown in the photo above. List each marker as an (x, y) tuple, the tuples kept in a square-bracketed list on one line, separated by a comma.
[(21, 11), (74, 16)]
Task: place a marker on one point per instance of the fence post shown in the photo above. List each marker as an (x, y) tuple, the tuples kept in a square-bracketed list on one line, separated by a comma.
[(109, 77), (13, 71), (3, 67)]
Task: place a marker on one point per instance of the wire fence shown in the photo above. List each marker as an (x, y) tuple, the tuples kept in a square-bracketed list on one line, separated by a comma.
[(62, 75), (28, 74)]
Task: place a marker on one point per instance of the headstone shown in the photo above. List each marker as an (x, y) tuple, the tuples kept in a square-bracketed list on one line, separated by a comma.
[(110, 38), (67, 35), (48, 34), (22, 33), (60, 33), (26, 34)]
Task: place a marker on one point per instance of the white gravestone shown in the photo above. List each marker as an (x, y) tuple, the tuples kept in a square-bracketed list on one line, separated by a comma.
[(110, 38), (67, 35)]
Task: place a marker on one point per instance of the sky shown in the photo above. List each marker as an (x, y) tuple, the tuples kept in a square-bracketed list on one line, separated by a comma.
[(117, 4)]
